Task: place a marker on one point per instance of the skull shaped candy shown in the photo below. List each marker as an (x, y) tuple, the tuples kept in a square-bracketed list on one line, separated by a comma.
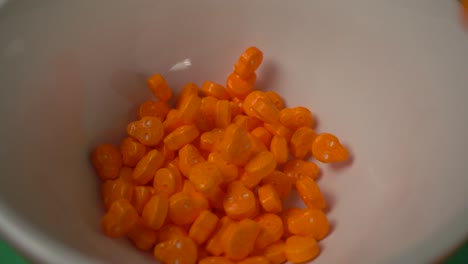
[(148, 130), (327, 148)]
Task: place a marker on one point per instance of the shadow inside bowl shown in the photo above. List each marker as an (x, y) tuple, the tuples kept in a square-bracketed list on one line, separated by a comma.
[(330, 199)]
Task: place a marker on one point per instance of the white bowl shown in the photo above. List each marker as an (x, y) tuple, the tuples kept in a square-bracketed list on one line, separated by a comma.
[(388, 77)]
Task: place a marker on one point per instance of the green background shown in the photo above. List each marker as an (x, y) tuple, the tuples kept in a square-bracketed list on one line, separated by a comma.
[(10, 256)]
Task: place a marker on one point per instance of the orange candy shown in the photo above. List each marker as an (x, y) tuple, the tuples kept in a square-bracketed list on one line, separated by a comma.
[(295, 222), (238, 102), (181, 250), (189, 188), (170, 231), (143, 237), (279, 148), (215, 197), (184, 208), (294, 118), (203, 226), (327, 148), (300, 249), (464, 12), (257, 145), (189, 156), (119, 219), (247, 122), (190, 89), (168, 153), (236, 106), (308, 222), (275, 253), (262, 134), (113, 190), (147, 167), (279, 130), (280, 181), (215, 260), (189, 109), (211, 139), (260, 166), (248, 62), (271, 230), (297, 169), (107, 161), (155, 212), (229, 172), (208, 108), (235, 146), (153, 108), (166, 182), (172, 121), (239, 202), (215, 90), (255, 260), (148, 130), (205, 176), (301, 142), (257, 104), (275, 99), (159, 87), (202, 253), (214, 245), (237, 86), (181, 136), (126, 174), (132, 151), (288, 215), (204, 123), (250, 100), (270, 199), (173, 164), (310, 193), (223, 113), (141, 195), (239, 239)]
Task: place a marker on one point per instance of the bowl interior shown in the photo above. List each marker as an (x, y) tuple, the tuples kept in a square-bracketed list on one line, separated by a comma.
[(388, 77)]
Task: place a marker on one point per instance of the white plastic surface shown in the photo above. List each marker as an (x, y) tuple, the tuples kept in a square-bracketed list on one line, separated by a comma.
[(389, 77)]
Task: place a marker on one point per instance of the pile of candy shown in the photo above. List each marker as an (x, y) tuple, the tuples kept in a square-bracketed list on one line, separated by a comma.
[(205, 181)]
